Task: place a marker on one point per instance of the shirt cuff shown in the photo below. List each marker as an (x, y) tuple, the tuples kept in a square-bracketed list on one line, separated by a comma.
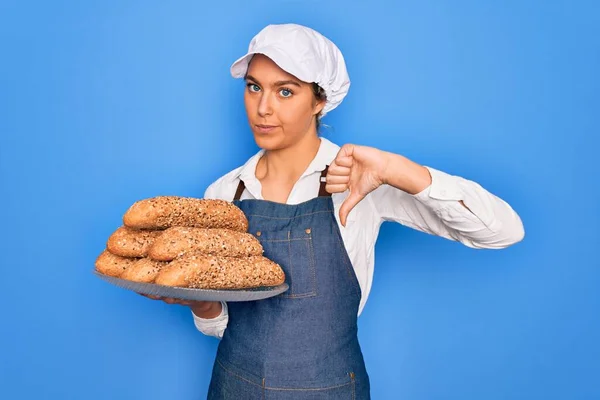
[(213, 326)]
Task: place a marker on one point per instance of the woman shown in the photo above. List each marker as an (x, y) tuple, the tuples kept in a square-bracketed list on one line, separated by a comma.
[(317, 208)]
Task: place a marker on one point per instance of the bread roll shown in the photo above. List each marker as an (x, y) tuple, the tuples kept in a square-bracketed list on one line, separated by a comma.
[(163, 212), (143, 270), (177, 240), (200, 270), (128, 242), (112, 264), (175, 276)]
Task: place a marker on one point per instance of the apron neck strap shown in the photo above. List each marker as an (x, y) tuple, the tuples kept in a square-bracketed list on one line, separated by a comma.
[(239, 191), (322, 183)]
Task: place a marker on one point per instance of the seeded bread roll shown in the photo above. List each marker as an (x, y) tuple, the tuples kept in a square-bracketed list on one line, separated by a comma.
[(178, 240), (112, 264), (163, 212), (143, 270), (204, 271), (175, 276), (128, 242)]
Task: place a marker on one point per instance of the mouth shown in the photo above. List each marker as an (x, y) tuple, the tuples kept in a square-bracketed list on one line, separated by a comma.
[(265, 128)]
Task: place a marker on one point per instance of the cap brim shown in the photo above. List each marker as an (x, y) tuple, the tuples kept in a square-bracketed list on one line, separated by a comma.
[(240, 67)]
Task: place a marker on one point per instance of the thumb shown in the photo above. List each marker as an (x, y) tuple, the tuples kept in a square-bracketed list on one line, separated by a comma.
[(351, 201)]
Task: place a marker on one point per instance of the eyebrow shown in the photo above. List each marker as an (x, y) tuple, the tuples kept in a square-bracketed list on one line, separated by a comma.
[(278, 83)]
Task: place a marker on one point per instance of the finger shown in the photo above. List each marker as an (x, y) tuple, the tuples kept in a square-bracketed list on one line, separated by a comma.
[(150, 296), (170, 300), (337, 179), (335, 169), (344, 161), (345, 157), (351, 201), (340, 169), (339, 188), (346, 150)]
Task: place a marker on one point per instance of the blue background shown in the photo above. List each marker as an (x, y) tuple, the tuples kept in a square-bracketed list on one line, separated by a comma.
[(104, 103)]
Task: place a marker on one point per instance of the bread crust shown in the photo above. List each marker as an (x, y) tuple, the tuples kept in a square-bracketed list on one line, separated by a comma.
[(128, 242), (176, 241), (163, 212), (111, 264), (205, 271), (143, 270)]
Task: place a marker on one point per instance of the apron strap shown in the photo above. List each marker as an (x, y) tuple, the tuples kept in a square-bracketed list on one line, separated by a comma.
[(322, 192), (239, 191)]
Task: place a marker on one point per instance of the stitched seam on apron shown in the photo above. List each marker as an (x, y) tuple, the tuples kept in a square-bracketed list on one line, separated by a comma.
[(308, 389), (310, 250), (238, 376), (297, 296), (290, 264), (295, 216), (264, 386), (283, 240)]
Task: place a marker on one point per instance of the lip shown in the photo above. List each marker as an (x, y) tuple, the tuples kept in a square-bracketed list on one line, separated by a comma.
[(265, 128)]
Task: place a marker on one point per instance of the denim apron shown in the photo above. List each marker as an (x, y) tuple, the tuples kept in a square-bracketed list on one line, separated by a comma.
[(303, 343)]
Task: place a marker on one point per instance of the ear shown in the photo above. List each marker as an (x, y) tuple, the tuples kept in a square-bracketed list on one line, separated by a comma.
[(319, 106)]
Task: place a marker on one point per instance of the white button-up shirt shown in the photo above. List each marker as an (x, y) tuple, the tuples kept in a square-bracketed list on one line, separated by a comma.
[(491, 223)]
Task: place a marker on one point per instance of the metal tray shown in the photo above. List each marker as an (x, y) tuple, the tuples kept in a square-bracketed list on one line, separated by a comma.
[(197, 294)]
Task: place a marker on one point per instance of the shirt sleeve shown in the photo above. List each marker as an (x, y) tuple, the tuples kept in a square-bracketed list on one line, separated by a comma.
[(213, 326), (486, 222)]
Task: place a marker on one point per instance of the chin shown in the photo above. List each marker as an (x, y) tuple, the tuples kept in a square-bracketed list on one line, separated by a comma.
[(269, 143)]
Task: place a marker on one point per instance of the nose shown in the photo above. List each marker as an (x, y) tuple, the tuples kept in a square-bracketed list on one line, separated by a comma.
[(265, 107)]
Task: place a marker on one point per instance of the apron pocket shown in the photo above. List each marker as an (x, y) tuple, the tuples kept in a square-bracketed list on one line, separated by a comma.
[(294, 251)]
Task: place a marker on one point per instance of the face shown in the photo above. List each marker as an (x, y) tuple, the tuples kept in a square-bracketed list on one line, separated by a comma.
[(281, 109)]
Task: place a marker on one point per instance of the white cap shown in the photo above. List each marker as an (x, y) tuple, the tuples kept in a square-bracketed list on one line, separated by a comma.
[(304, 53)]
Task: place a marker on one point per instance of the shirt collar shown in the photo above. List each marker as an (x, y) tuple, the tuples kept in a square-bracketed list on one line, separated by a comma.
[(325, 155)]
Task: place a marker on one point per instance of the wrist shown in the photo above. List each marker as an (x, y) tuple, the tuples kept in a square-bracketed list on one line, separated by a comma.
[(207, 310), (404, 174)]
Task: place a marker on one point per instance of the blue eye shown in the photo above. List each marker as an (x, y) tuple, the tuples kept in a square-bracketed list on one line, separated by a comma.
[(286, 92), (253, 87)]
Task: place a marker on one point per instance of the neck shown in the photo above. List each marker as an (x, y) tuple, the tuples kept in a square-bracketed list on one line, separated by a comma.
[(288, 164)]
